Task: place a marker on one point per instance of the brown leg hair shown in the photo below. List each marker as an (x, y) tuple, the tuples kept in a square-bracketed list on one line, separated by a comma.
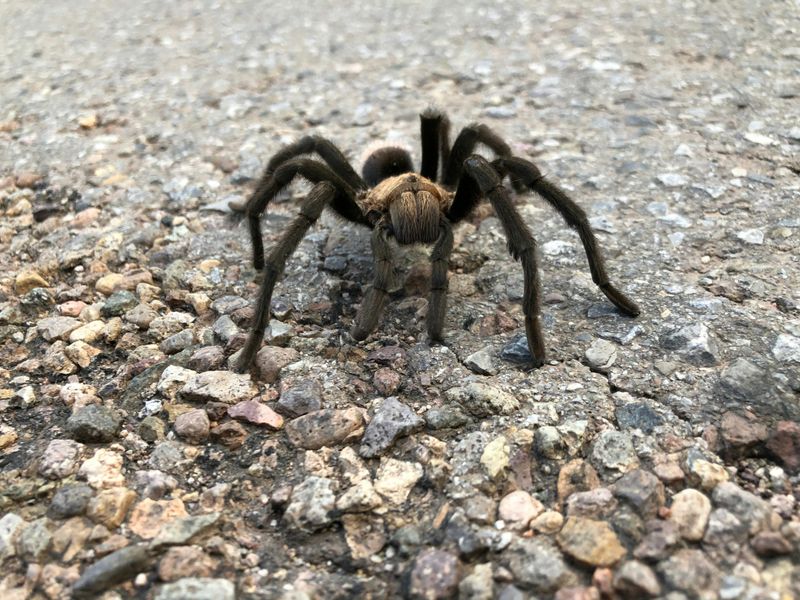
[(375, 298), (272, 183), (440, 262), (322, 194), (525, 172), (482, 180)]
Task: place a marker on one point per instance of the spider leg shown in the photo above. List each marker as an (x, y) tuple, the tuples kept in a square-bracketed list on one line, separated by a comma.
[(465, 145), (440, 262), (375, 298), (271, 183), (332, 156), (311, 208), (482, 180), (435, 136), (528, 174)]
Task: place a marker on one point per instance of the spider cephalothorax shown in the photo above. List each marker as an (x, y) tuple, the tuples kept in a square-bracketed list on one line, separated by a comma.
[(414, 208), (414, 204)]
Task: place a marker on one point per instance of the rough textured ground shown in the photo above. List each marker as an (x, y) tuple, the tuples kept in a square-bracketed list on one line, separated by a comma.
[(654, 457)]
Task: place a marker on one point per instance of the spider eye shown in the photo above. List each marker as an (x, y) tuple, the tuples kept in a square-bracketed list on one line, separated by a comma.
[(384, 163)]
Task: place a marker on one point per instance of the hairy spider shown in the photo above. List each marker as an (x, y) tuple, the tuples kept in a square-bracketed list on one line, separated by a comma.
[(412, 208)]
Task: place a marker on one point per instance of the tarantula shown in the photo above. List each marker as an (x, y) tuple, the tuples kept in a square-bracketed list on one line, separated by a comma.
[(415, 208)]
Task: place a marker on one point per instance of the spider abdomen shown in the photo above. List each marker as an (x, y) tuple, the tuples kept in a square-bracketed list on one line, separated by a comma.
[(415, 206)]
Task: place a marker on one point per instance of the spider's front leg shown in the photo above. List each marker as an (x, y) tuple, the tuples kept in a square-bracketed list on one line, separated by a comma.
[(272, 183), (375, 298), (311, 208), (525, 172), (481, 179)]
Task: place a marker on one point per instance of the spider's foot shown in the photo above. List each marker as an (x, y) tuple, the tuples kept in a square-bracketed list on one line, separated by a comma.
[(621, 301)]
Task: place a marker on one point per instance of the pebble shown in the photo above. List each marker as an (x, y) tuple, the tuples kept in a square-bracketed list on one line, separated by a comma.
[(311, 504), (689, 570), (149, 516), (769, 544), (230, 434), (209, 358), (110, 506), (57, 328), (103, 469), (152, 429), (395, 479), (270, 360), (536, 564), (518, 509), (751, 236), (705, 474), (11, 526), (224, 328), (391, 420), (193, 426), (88, 333), (387, 381), (107, 284), (185, 561), (787, 349), (183, 530), (478, 585), (60, 459), (483, 400), (70, 500), (172, 380), (257, 413), (748, 507), (689, 511), (694, 343), (94, 424), (111, 570), (548, 523), (300, 398), (445, 418), (25, 281), (590, 542), (177, 342), (480, 362), (637, 415), (548, 443), (359, 498), (327, 427), (119, 303), (634, 579), (218, 386), (784, 443), (672, 180), (741, 434), (197, 588), (613, 453), (517, 350), (576, 476), (642, 491), (601, 354), (743, 380), (435, 575), (495, 457)]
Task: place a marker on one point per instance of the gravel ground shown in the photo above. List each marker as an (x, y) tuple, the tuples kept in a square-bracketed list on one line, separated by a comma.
[(651, 457)]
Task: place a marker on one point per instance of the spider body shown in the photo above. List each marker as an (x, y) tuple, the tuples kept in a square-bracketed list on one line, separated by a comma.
[(397, 202)]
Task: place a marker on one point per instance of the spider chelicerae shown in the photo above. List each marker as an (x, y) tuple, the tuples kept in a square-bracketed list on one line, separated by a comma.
[(415, 208)]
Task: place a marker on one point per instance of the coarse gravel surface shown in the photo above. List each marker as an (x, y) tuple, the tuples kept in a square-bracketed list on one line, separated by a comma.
[(654, 457)]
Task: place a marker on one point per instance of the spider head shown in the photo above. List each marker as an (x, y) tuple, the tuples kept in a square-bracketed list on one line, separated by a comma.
[(384, 163)]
